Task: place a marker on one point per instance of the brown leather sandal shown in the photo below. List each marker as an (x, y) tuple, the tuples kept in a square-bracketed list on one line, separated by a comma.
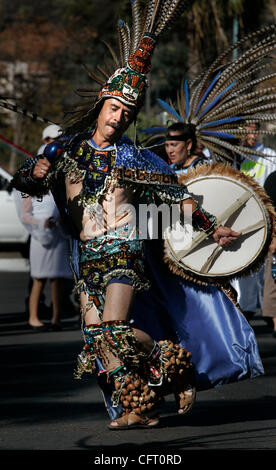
[(119, 423), (133, 420), (185, 399)]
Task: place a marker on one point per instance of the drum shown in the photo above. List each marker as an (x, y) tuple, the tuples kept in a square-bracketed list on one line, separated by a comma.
[(238, 202)]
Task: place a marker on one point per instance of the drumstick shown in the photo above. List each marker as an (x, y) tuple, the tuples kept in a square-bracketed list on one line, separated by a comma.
[(229, 211), (219, 249)]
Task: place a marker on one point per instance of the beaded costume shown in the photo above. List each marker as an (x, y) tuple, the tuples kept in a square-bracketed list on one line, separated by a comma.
[(119, 251), (113, 249), (132, 382)]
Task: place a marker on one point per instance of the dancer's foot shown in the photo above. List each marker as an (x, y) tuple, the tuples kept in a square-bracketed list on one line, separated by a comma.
[(185, 399), (132, 420)]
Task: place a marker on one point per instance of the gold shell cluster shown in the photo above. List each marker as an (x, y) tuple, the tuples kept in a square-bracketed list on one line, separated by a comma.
[(176, 360), (174, 365), (137, 395)]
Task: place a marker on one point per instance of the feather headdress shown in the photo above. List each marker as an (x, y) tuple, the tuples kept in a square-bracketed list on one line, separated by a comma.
[(228, 96), (128, 80)]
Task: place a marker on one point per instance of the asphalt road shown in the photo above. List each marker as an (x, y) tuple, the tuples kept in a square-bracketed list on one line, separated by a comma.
[(44, 408)]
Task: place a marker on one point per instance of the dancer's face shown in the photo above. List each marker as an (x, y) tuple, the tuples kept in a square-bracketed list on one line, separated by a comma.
[(177, 150), (113, 120)]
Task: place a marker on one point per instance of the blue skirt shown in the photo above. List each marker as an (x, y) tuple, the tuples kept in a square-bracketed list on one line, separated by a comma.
[(200, 318)]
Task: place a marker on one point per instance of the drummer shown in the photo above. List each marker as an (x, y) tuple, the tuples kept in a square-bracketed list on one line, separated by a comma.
[(251, 288), (207, 318)]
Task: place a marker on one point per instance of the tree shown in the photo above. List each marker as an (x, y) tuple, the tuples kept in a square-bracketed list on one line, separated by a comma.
[(211, 26), (39, 65)]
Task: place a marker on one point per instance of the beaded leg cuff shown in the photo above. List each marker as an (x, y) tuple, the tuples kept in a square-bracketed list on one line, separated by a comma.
[(135, 395), (122, 342), (177, 367), (91, 350), (114, 343)]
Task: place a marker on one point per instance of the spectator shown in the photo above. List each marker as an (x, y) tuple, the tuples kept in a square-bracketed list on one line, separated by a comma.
[(49, 257), (49, 134), (250, 288), (269, 297), (48, 248)]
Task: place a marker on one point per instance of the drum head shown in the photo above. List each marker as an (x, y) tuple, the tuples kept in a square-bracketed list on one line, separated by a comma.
[(235, 202)]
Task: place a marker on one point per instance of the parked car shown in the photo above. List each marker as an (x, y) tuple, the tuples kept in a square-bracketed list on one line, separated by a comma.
[(11, 229)]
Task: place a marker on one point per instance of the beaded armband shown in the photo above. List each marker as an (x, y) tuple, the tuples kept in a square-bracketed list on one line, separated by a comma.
[(24, 182), (203, 220)]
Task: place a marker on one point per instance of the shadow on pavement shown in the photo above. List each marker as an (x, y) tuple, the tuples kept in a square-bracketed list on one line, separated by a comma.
[(200, 442), (38, 388)]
